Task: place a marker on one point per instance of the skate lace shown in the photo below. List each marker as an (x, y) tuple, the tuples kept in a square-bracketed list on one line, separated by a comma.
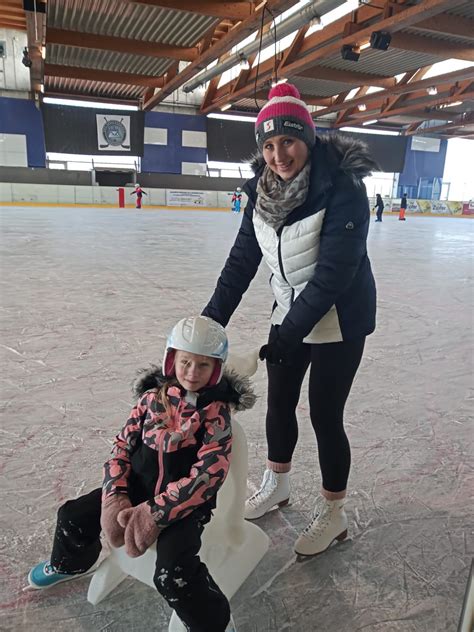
[(263, 494), (319, 522)]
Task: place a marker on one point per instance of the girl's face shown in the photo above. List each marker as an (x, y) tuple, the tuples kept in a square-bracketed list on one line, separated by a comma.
[(193, 371), (285, 155)]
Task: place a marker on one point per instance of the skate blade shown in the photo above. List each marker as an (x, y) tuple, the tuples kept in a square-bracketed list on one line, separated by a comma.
[(300, 557)]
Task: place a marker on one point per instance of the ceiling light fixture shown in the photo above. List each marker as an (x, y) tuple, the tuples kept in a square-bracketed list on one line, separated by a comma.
[(26, 59), (350, 53), (362, 107), (449, 105), (370, 122), (432, 90), (225, 107), (364, 46), (380, 40), (244, 62)]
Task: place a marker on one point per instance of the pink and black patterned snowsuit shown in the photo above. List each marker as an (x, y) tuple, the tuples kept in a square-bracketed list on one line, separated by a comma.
[(177, 462)]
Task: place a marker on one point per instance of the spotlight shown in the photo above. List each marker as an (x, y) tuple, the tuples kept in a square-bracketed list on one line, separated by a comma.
[(26, 60), (350, 53), (432, 90), (244, 62), (362, 107), (380, 40)]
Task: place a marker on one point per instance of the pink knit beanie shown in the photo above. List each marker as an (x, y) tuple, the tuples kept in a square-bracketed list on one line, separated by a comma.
[(284, 114)]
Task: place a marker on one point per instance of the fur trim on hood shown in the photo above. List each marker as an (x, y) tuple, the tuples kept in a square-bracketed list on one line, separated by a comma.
[(351, 155), (233, 389)]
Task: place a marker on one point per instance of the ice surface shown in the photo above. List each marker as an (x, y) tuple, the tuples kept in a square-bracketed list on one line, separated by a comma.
[(87, 297)]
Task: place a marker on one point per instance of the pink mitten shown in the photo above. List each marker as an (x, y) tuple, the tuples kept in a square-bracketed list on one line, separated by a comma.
[(111, 507), (140, 529)]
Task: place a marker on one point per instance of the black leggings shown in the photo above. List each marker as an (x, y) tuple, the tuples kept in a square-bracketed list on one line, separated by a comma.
[(333, 368)]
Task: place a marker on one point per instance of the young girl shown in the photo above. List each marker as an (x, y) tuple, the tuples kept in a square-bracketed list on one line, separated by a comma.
[(160, 484), (139, 192)]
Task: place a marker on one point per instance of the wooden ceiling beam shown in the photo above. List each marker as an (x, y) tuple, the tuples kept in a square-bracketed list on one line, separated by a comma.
[(437, 129), (347, 76), (265, 70), (327, 42), (345, 114), (61, 94), (407, 107), (441, 48), (108, 76), (119, 44), (19, 25), (12, 11), (236, 35), (239, 10), (405, 18), (412, 76), (422, 84), (13, 20), (448, 25)]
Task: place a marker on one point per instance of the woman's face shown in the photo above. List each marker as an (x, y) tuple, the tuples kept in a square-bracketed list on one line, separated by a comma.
[(285, 155), (193, 371)]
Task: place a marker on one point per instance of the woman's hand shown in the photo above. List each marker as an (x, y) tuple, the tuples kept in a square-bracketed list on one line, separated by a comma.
[(274, 352)]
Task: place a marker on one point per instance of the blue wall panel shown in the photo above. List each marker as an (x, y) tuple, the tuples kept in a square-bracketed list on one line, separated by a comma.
[(168, 158), (20, 116), (423, 172)]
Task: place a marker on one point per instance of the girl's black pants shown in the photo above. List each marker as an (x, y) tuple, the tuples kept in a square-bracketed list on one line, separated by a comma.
[(180, 576)]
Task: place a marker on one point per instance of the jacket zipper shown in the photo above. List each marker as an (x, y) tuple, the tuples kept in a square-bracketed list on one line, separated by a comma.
[(160, 469), (280, 263)]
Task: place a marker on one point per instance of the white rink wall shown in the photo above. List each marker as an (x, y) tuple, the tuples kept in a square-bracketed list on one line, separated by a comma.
[(99, 195)]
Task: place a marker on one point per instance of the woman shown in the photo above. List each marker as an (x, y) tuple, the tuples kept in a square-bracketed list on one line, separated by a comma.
[(308, 217), (379, 206)]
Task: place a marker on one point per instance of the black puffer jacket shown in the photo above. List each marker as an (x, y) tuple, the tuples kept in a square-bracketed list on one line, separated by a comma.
[(337, 300)]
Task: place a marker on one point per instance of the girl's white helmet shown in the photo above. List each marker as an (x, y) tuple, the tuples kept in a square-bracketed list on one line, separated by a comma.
[(200, 335)]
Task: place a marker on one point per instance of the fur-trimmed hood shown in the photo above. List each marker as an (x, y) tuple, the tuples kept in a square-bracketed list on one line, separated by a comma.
[(343, 153), (233, 389)]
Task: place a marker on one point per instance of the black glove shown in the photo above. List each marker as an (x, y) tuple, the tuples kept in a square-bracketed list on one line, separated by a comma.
[(275, 352)]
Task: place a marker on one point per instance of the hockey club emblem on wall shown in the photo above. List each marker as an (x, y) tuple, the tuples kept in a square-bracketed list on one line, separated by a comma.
[(113, 132)]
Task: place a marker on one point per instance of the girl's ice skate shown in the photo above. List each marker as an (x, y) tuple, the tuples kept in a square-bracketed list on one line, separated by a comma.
[(275, 490), (329, 523)]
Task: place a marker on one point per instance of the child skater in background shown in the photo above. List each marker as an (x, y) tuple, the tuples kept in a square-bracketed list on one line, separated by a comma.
[(139, 192), (160, 484), (236, 200)]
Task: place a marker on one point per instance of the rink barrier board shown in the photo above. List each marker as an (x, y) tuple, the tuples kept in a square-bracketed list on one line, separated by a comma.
[(162, 207)]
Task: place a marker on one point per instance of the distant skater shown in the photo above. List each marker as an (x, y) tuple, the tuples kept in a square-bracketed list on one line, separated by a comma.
[(403, 208), (139, 192), (379, 206), (236, 200)]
